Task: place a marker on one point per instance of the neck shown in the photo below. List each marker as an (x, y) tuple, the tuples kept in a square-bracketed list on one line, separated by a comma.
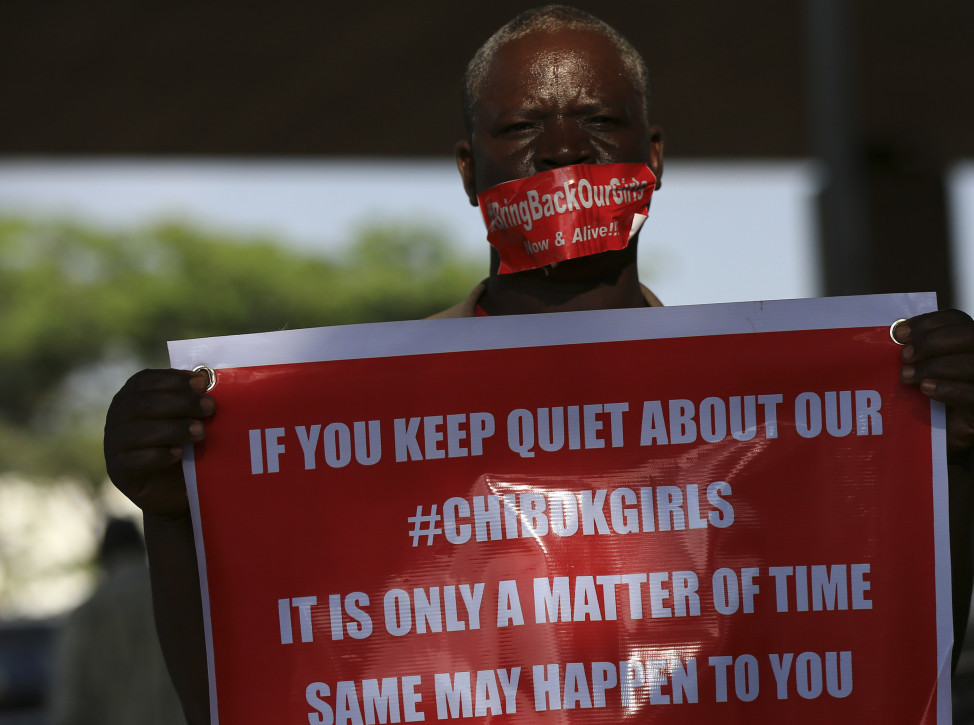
[(580, 284)]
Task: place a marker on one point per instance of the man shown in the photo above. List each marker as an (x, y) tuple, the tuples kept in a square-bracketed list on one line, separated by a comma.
[(552, 88), (580, 99)]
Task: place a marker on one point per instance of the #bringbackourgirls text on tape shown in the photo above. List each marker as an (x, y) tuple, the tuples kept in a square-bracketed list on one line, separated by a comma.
[(568, 212)]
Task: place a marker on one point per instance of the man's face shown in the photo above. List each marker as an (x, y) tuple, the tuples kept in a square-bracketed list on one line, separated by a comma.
[(554, 99)]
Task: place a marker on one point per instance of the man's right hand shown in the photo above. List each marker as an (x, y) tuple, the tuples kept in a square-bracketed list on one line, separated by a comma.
[(151, 418)]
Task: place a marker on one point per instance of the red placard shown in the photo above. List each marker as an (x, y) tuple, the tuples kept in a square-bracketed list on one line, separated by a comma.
[(734, 528)]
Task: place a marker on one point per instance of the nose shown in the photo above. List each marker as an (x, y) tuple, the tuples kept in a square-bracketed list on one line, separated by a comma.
[(562, 143)]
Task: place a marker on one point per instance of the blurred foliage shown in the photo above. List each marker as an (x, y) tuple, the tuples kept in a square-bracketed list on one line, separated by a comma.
[(82, 308)]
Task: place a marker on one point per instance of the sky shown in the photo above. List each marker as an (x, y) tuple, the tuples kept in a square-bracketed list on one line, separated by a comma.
[(718, 232)]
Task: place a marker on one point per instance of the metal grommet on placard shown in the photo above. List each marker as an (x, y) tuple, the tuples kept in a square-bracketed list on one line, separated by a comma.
[(210, 375), (892, 330)]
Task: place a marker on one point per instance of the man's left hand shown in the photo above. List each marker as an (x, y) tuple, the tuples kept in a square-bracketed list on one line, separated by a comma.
[(938, 356)]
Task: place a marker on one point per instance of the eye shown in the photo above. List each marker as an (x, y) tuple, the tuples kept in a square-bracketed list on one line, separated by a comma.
[(604, 122), (519, 127)]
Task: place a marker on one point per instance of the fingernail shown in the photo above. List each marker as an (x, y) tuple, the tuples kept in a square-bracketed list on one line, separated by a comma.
[(903, 332), (199, 382), (907, 372), (177, 452), (207, 405), (907, 353), (196, 429), (928, 386)]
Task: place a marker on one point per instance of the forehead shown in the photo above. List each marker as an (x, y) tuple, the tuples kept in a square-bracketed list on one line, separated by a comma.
[(556, 67)]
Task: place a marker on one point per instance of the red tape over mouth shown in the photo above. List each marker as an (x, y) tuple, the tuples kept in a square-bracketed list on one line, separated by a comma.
[(568, 212)]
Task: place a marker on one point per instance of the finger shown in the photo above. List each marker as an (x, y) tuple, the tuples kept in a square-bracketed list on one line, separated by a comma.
[(901, 331), (157, 404), (951, 392), (935, 333), (166, 379), (166, 433), (921, 324), (944, 367)]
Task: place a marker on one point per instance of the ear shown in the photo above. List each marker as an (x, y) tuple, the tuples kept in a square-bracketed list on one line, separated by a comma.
[(465, 165), (656, 155)]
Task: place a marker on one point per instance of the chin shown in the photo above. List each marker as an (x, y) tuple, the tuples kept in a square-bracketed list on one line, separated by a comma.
[(601, 268)]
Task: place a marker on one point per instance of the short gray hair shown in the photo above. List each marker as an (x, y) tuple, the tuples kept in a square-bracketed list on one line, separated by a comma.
[(546, 19)]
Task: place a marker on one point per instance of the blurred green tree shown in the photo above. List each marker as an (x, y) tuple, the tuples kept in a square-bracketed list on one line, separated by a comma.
[(81, 308)]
